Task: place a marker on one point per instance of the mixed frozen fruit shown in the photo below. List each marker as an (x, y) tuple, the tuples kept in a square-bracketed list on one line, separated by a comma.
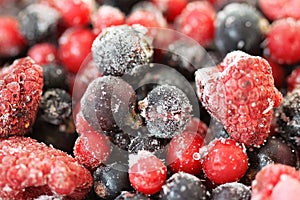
[(160, 99)]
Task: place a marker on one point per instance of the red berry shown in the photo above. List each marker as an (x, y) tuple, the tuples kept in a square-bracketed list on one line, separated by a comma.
[(20, 92), (147, 173), (276, 182), (74, 46), (293, 79), (226, 161), (277, 9), (43, 53), (29, 168), (278, 74), (146, 18), (182, 153), (170, 8), (12, 42), (197, 22), (107, 16), (284, 34), (240, 93)]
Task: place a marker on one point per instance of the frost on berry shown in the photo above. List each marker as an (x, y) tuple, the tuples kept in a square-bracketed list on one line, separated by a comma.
[(20, 91)]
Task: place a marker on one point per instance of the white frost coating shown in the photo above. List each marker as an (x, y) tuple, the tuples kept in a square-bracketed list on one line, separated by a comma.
[(134, 158), (270, 107)]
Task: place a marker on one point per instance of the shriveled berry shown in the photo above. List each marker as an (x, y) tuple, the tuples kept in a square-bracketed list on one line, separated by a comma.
[(43, 53), (55, 76), (121, 49), (293, 80), (233, 191), (125, 195), (20, 90), (182, 185), (30, 169)]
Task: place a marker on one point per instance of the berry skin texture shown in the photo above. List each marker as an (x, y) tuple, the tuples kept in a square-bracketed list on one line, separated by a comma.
[(284, 34), (226, 161), (147, 173), (240, 93), (20, 90), (197, 21), (56, 174), (43, 53), (275, 182), (74, 46), (293, 79)]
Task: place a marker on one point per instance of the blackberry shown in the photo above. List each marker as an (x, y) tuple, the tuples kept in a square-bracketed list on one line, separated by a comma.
[(55, 76), (182, 185), (125, 195), (240, 27), (55, 106), (288, 118), (166, 110), (38, 22), (111, 180), (232, 191), (121, 49)]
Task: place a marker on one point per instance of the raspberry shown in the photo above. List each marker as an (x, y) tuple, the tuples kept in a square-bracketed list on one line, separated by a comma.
[(29, 168), (147, 173), (277, 9), (226, 161), (293, 79), (240, 93), (275, 182), (20, 91), (284, 34), (170, 8), (43, 53), (197, 21)]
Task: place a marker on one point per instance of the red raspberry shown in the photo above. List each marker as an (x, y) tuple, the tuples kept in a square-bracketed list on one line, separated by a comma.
[(107, 16), (277, 9), (147, 173), (170, 8), (146, 19), (226, 161), (12, 42), (276, 182), (74, 46), (182, 153), (20, 90), (197, 22), (240, 93), (293, 79), (284, 34), (29, 168), (43, 53)]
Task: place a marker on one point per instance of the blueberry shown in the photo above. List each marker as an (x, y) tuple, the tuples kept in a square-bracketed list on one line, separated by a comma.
[(125, 195), (232, 191), (55, 76)]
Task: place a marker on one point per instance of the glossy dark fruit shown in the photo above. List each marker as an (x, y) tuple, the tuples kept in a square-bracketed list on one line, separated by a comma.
[(125, 195), (240, 27), (232, 191), (55, 76), (111, 180), (121, 49), (182, 185), (38, 22)]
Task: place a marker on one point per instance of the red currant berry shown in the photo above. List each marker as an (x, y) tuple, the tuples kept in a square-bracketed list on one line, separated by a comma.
[(183, 153), (146, 18), (170, 8), (293, 79), (74, 46), (43, 53), (147, 173), (226, 161), (278, 74)]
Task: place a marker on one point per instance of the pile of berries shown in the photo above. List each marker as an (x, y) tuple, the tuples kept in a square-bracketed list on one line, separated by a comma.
[(157, 99)]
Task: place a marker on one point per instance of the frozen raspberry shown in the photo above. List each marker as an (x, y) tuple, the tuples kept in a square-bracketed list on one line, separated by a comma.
[(275, 182), (277, 9), (293, 79), (43, 53), (283, 34), (170, 8), (20, 90), (197, 21), (240, 93), (30, 169)]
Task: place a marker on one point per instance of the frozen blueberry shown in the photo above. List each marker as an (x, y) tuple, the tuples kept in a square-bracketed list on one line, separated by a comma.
[(232, 191), (55, 76)]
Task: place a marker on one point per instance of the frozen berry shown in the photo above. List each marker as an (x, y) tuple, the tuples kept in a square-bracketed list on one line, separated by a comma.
[(124, 5), (278, 73), (147, 173), (20, 91), (182, 185), (111, 180), (38, 22), (30, 169), (166, 110), (121, 49), (150, 144), (232, 191), (196, 125), (216, 130), (240, 27), (43, 53), (226, 161), (240, 93), (293, 79), (55, 76), (125, 195), (121, 140), (146, 18), (170, 8)]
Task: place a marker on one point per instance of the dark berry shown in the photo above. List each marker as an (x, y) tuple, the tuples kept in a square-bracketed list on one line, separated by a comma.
[(111, 180), (232, 191), (121, 49), (55, 76), (38, 22), (124, 5), (215, 131), (240, 27), (121, 140), (183, 186), (43, 53), (125, 195), (166, 110)]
